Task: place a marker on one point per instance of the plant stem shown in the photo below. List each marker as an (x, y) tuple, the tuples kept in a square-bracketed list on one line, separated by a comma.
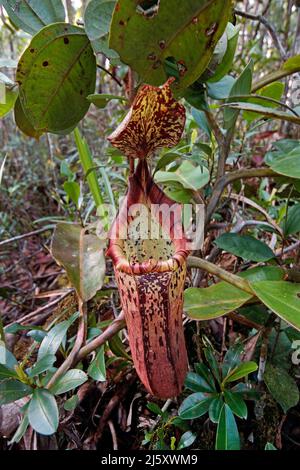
[(240, 283)]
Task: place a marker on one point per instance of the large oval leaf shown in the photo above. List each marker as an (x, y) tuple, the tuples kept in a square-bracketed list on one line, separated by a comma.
[(33, 15), (145, 38), (287, 164), (214, 301), (43, 412), (281, 297), (222, 298), (189, 176), (56, 73), (245, 246)]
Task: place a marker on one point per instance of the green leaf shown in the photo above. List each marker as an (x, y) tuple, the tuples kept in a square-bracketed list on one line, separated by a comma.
[(214, 301), (227, 432), (117, 347), (282, 298), (97, 368), (20, 432), (54, 338), (10, 99), (186, 440), (43, 412), (82, 256), (33, 15), (145, 43), (155, 409), (264, 111), (12, 390), (6, 373), (42, 365), (242, 86), (222, 298), (245, 246), (270, 446), (273, 91), (7, 358), (101, 101), (86, 160), (71, 403), (181, 195), (196, 383), (189, 176), (195, 405), (213, 364), (291, 223), (287, 164), (202, 370), (224, 67), (201, 121), (215, 409), (220, 90), (55, 74), (72, 189), (236, 404), (240, 371), (282, 386), (291, 66), (23, 123), (70, 380), (97, 20)]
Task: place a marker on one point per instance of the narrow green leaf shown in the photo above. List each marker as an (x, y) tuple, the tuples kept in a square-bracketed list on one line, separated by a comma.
[(291, 223), (7, 358), (97, 369), (54, 337), (215, 409), (241, 371), (236, 404), (196, 383), (42, 365), (227, 432), (6, 373), (87, 163), (242, 86)]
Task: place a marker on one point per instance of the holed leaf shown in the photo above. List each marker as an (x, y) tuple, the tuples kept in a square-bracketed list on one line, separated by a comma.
[(146, 39), (55, 74)]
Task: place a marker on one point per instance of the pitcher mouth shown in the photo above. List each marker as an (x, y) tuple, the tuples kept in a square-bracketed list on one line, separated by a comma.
[(122, 263)]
